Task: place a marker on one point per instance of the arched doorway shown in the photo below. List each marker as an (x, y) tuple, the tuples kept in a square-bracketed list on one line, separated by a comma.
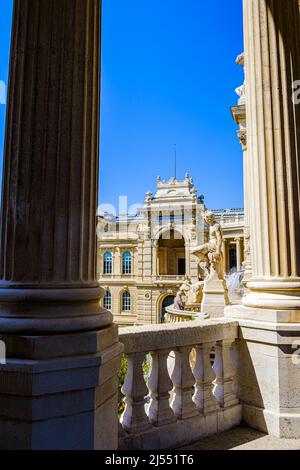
[(169, 300), (171, 254)]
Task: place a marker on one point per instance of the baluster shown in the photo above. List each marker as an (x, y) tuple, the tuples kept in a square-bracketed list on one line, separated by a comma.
[(134, 418), (225, 374), (160, 385), (204, 376), (183, 381), (218, 383)]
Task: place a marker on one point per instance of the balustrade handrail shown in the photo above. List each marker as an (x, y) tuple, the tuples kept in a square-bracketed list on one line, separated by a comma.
[(171, 335), (171, 277)]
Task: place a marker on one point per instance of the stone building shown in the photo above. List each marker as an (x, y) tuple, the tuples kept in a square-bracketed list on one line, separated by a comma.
[(143, 259)]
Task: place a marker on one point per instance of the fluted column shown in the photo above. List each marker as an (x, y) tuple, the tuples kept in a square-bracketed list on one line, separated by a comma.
[(49, 200), (242, 134), (272, 63)]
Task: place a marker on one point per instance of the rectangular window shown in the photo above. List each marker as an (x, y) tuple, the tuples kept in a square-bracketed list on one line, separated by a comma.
[(107, 263), (107, 301), (126, 302), (127, 263)]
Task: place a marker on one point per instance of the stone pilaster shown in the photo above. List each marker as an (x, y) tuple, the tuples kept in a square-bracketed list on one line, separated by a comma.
[(117, 262), (58, 389), (239, 115)]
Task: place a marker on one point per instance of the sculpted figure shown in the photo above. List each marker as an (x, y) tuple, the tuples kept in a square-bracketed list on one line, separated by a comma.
[(185, 291), (191, 293), (179, 300), (186, 286), (241, 90), (196, 293), (210, 254)]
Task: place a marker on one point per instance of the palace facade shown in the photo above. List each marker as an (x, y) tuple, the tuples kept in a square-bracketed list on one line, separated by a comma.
[(143, 259)]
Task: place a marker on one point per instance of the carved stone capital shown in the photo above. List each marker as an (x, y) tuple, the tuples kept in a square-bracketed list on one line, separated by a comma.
[(242, 135)]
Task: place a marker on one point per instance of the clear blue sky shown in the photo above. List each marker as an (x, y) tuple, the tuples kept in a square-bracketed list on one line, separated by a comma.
[(168, 76)]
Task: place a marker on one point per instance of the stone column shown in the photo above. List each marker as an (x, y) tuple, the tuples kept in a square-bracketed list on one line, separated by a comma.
[(272, 41), (48, 236), (247, 208), (269, 374), (224, 251), (154, 258), (238, 254), (188, 258), (50, 178)]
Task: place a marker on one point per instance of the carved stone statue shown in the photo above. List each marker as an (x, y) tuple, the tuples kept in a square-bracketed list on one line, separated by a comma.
[(215, 292), (196, 293), (191, 294), (148, 197), (179, 302), (241, 90), (210, 254)]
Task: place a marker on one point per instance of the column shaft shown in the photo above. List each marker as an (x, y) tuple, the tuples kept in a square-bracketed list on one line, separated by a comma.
[(224, 251), (238, 254), (272, 55), (247, 216), (50, 177)]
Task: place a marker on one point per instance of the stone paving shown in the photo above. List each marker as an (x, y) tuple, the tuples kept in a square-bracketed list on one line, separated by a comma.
[(243, 438)]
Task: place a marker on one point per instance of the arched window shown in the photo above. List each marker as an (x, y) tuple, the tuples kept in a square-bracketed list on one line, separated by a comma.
[(126, 302), (107, 300), (107, 263), (127, 263)]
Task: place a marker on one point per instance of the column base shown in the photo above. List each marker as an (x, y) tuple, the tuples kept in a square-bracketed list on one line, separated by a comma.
[(278, 424), (60, 392), (268, 366), (246, 279), (262, 314), (66, 309), (275, 294)]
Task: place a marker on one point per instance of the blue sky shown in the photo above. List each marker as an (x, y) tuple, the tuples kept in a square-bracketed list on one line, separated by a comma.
[(168, 76)]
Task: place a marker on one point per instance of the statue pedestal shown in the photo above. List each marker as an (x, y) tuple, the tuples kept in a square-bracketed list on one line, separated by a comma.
[(215, 298)]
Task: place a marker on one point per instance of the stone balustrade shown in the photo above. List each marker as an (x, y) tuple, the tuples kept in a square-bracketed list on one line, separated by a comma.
[(188, 395), (176, 316), (170, 277)]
